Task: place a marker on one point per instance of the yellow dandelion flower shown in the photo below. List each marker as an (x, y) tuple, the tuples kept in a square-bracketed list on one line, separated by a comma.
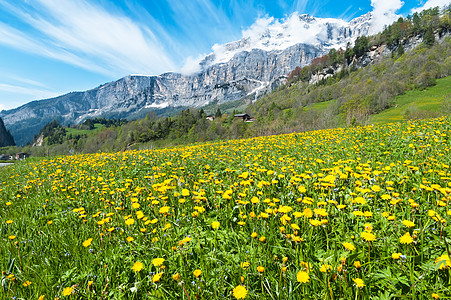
[(302, 276), (68, 291), (368, 227), (87, 243), (315, 222), (443, 262), (137, 266), (164, 209), (408, 223), (215, 225), (406, 239), (348, 246), (197, 272), (396, 255), (368, 236), (240, 292), (359, 282), (26, 283), (176, 276), (245, 265), (260, 269), (130, 221), (325, 268), (157, 277), (158, 261)]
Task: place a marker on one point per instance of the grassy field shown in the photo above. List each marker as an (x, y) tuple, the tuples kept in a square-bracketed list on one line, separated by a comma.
[(428, 100), (76, 131), (357, 213)]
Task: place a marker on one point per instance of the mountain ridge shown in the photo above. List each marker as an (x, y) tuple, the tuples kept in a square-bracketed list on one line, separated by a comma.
[(249, 72)]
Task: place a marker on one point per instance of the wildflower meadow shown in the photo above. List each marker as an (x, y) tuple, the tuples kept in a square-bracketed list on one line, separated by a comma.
[(346, 213)]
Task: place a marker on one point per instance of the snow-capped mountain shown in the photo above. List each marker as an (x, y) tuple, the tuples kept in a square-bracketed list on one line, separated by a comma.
[(255, 64), (272, 35)]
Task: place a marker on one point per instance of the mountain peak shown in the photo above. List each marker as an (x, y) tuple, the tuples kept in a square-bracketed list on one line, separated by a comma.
[(270, 34)]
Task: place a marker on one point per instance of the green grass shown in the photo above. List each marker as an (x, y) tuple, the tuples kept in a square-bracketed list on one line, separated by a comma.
[(76, 131), (428, 100), (301, 216), (320, 106)]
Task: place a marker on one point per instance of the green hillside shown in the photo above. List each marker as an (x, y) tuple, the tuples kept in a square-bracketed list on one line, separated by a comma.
[(416, 104)]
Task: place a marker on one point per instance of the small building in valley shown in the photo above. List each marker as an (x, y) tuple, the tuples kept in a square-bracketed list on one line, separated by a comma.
[(22, 155), (244, 117)]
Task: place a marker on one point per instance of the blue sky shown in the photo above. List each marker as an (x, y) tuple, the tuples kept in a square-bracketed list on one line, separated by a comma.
[(52, 47)]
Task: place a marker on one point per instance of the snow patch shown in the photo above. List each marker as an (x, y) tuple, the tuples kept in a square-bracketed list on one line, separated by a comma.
[(158, 105)]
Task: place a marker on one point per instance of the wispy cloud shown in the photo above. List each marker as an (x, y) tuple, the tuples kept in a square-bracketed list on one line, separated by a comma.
[(384, 13), (16, 89), (86, 35), (431, 4), (349, 13)]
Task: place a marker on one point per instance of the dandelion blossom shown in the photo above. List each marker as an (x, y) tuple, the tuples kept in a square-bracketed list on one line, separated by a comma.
[(87, 243), (406, 239), (240, 292), (325, 268), (260, 269), (408, 223), (359, 282), (157, 277), (215, 225), (158, 261), (245, 265), (368, 236), (176, 276), (443, 262), (348, 246), (130, 221), (303, 277), (197, 272), (396, 255), (68, 291), (137, 266)]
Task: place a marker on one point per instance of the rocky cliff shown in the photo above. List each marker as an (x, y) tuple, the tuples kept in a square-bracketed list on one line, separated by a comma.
[(375, 54), (249, 67), (6, 138)]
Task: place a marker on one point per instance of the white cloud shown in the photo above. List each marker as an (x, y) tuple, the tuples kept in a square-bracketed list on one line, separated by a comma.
[(16, 89), (431, 4), (88, 36), (192, 65), (384, 13)]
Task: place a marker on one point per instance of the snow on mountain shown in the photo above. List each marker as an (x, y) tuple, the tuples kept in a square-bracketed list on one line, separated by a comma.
[(270, 34)]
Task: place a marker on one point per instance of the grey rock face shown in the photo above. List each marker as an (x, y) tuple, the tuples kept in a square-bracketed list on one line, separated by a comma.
[(5, 136)]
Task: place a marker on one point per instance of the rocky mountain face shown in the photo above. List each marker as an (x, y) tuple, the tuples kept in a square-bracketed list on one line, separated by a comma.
[(249, 67), (375, 54), (6, 138)]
